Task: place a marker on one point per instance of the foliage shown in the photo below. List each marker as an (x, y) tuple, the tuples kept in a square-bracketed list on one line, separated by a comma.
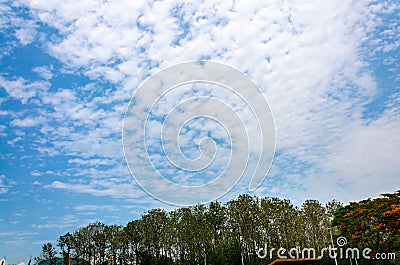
[(372, 223), (49, 253), (231, 233)]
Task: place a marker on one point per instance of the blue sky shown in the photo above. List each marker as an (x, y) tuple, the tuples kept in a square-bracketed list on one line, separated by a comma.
[(329, 71)]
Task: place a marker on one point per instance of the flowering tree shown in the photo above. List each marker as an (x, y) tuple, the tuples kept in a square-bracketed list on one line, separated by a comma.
[(372, 223)]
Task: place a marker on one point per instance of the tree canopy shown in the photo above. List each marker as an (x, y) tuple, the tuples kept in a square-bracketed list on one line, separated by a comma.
[(233, 232), (371, 223)]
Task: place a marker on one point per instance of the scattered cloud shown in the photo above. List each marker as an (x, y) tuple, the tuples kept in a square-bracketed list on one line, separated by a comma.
[(6, 184), (308, 58), (25, 35), (62, 223), (22, 89), (18, 235), (91, 207), (44, 72), (328, 70), (27, 122)]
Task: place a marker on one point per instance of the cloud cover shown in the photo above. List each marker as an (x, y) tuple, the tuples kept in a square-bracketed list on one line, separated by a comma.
[(307, 58), (328, 70)]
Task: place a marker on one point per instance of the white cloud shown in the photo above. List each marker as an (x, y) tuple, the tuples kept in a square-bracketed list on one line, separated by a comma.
[(27, 122), (91, 162), (114, 187), (68, 221), (37, 173), (6, 184), (25, 35), (366, 158), (20, 235), (22, 89), (3, 132), (307, 58), (44, 72), (15, 140), (91, 207)]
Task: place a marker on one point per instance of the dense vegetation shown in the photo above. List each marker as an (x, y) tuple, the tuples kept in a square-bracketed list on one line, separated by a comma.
[(373, 224), (229, 233)]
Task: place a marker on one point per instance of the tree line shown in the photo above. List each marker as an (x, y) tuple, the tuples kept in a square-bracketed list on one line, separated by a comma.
[(217, 233)]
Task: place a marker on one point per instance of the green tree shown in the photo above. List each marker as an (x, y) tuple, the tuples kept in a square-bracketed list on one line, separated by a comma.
[(231, 233), (113, 242), (316, 224), (132, 240), (65, 243), (283, 224), (49, 253), (244, 222), (153, 225), (216, 221)]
